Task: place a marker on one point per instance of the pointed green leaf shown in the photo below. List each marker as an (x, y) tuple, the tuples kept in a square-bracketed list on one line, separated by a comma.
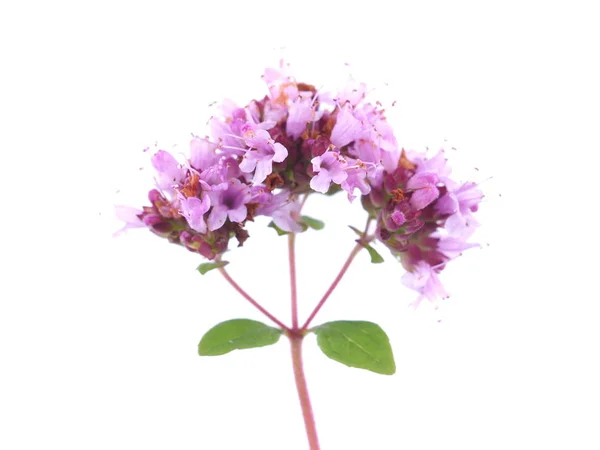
[(313, 223), (280, 232), (357, 344), (356, 230), (207, 267), (237, 334), (376, 258)]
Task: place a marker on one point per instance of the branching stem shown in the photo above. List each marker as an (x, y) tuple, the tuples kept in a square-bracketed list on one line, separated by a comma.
[(251, 300)]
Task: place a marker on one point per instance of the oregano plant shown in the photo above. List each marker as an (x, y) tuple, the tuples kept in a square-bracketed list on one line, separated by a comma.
[(268, 158)]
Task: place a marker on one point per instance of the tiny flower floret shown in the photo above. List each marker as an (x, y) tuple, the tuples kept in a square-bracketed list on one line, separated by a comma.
[(262, 153), (193, 209), (347, 127), (425, 191), (229, 203), (329, 168), (169, 171), (265, 158)]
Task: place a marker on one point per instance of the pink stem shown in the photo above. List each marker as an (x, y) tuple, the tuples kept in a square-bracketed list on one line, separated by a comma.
[(292, 255), (251, 300), (339, 276), (309, 420)]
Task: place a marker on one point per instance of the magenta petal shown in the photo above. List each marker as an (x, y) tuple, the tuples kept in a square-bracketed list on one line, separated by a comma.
[(422, 179), (239, 214), (423, 197), (461, 225), (169, 171), (257, 138), (390, 156), (354, 93), (300, 113), (163, 161), (193, 210), (248, 163), (286, 222), (280, 152), (447, 204), (129, 215), (217, 218), (423, 279), (338, 177), (468, 196), (263, 168), (316, 163), (347, 127), (356, 178), (452, 246), (202, 153), (321, 182)]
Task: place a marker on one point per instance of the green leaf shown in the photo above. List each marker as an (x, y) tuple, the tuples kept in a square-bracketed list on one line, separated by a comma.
[(357, 344), (207, 267), (376, 258), (237, 334), (313, 223), (280, 232), (356, 230)]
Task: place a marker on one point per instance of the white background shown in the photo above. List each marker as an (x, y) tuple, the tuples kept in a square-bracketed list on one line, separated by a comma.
[(98, 336)]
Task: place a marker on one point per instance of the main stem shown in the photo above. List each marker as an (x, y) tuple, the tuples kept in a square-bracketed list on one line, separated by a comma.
[(296, 337), (292, 257), (307, 413)]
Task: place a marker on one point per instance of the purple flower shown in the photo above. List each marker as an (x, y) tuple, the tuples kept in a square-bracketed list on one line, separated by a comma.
[(356, 178), (353, 93), (220, 173), (329, 167), (390, 154), (285, 211), (130, 216), (300, 113), (260, 158), (425, 190), (370, 154), (452, 246), (228, 203), (281, 86), (397, 222), (459, 204), (193, 209), (202, 153), (170, 172), (423, 279), (438, 165), (347, 127)]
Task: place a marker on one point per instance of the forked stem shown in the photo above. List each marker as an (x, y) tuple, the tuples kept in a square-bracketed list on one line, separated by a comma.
[(360, 243), (339, 276), (251, 300)]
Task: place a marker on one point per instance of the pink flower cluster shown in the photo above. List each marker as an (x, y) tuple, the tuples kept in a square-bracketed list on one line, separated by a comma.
[(262, 158)]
